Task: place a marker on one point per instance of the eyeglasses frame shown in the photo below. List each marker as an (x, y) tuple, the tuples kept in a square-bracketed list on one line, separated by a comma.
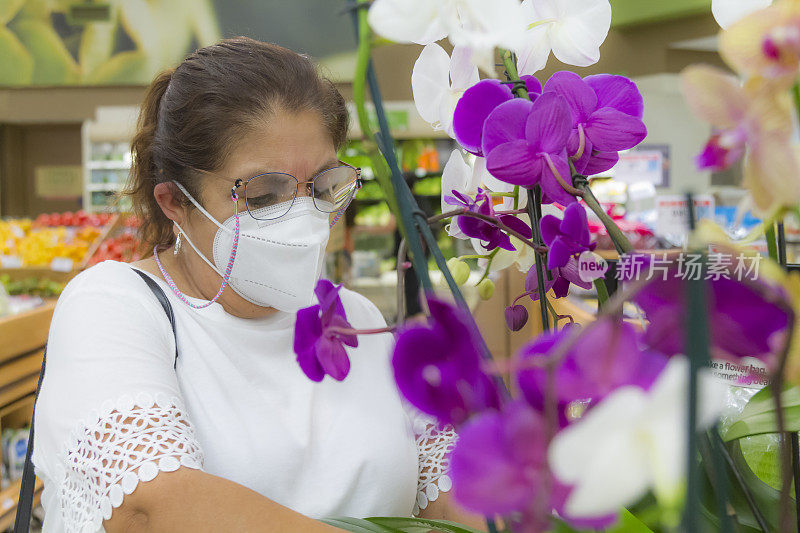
[(359, 182)]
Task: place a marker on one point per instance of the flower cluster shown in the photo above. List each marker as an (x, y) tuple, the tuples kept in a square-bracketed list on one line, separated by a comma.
[(606, 390), (596, 416), (570, 121), (752, 120)]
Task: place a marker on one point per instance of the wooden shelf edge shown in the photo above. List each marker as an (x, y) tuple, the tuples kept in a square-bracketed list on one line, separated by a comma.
[(9, 499)]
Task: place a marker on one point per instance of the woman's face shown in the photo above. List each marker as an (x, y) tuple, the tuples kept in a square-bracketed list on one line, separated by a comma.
[(295, 143)]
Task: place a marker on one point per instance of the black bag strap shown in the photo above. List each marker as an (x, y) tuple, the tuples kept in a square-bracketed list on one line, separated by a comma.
[(22, 521), (158, 292)]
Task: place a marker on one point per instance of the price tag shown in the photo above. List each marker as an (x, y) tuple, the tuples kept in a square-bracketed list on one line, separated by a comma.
[(10, 261), (61, 264)]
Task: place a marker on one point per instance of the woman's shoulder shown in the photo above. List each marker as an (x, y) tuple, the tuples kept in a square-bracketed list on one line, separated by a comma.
[(112, 277), (107, 287)]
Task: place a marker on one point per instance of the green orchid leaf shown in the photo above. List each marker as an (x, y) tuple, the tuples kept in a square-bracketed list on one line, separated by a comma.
[(626, 523), (765, 498), (409, 525), (397, 525), (357, 525), (758, 416)]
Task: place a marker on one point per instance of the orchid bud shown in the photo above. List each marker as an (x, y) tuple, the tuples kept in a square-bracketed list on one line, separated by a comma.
[(459, 269), (486, 289), (516, 317)]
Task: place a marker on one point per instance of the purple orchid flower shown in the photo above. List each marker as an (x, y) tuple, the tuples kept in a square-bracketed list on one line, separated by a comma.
[(319, 347), (605, 357), (500, 460), (499, 467), (477, 103), (491, 236), (745, 317), (437, 367), (566, 237), (558, 279), (606, 114), (525, 144)]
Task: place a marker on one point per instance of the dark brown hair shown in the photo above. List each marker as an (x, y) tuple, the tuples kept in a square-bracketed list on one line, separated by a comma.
[(193, 115)]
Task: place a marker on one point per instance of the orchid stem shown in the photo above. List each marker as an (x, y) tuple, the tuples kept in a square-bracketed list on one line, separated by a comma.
[(402, 251), (490, 220), (534, 197), (772, 247), (488, 266), (602, 291), (350, 331)]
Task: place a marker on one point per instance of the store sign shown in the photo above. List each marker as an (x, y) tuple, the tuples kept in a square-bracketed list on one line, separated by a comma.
[(673, 217), (61, 182), (646, 164), (61, 264), (10, 261)]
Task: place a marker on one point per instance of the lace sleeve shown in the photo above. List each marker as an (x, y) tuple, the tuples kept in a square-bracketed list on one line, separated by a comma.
[(111, 451), (434, 444)]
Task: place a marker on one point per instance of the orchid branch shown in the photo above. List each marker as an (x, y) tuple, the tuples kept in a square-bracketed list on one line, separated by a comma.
[(402, 251), (490, 220)]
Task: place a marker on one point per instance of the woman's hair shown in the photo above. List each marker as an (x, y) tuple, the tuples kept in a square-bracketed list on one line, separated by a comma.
[(193, 115)]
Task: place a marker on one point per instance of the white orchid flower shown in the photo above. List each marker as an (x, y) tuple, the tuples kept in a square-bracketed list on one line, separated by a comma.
[(523, 257), (438, 81), (727, 12), (459, 176), (484, 25), (477, 25), (632, 441), (409, 21), (572, 29)]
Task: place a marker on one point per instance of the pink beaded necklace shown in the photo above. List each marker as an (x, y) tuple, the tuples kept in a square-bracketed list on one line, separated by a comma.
[(225, 279)]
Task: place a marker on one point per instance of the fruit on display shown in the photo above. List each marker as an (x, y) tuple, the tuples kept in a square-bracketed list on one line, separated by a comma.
[(31, 286), (77, 219), (37, 243), (120, 248)]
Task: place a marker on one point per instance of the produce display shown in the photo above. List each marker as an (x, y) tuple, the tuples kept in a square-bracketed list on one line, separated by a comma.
[(77, 219), (120, 248), (23, 243), (66, 237), (31, 286)]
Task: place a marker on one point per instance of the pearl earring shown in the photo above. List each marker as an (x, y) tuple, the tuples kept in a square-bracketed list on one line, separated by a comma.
[(177, 247)]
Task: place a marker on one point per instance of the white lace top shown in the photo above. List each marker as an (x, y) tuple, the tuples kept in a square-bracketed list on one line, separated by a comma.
[(113, 412)]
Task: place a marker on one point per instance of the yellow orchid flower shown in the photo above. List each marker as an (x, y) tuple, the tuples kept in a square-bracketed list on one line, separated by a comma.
[(766, 44), (750, 118)]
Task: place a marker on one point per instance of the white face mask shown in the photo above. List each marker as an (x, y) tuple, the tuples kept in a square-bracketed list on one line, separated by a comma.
[(278, 262)]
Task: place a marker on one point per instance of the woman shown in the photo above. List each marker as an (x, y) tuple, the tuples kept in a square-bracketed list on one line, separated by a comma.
[(215, 427)]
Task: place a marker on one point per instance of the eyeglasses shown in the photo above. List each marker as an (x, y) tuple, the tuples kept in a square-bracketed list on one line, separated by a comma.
[(271, 195)]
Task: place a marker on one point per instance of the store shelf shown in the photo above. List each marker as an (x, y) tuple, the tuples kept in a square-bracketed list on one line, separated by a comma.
[(25, 332), (9, 498), (374, 230), (108, 165), (112, 187)]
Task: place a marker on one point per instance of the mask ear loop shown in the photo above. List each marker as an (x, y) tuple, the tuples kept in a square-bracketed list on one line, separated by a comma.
[(226, 278)]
